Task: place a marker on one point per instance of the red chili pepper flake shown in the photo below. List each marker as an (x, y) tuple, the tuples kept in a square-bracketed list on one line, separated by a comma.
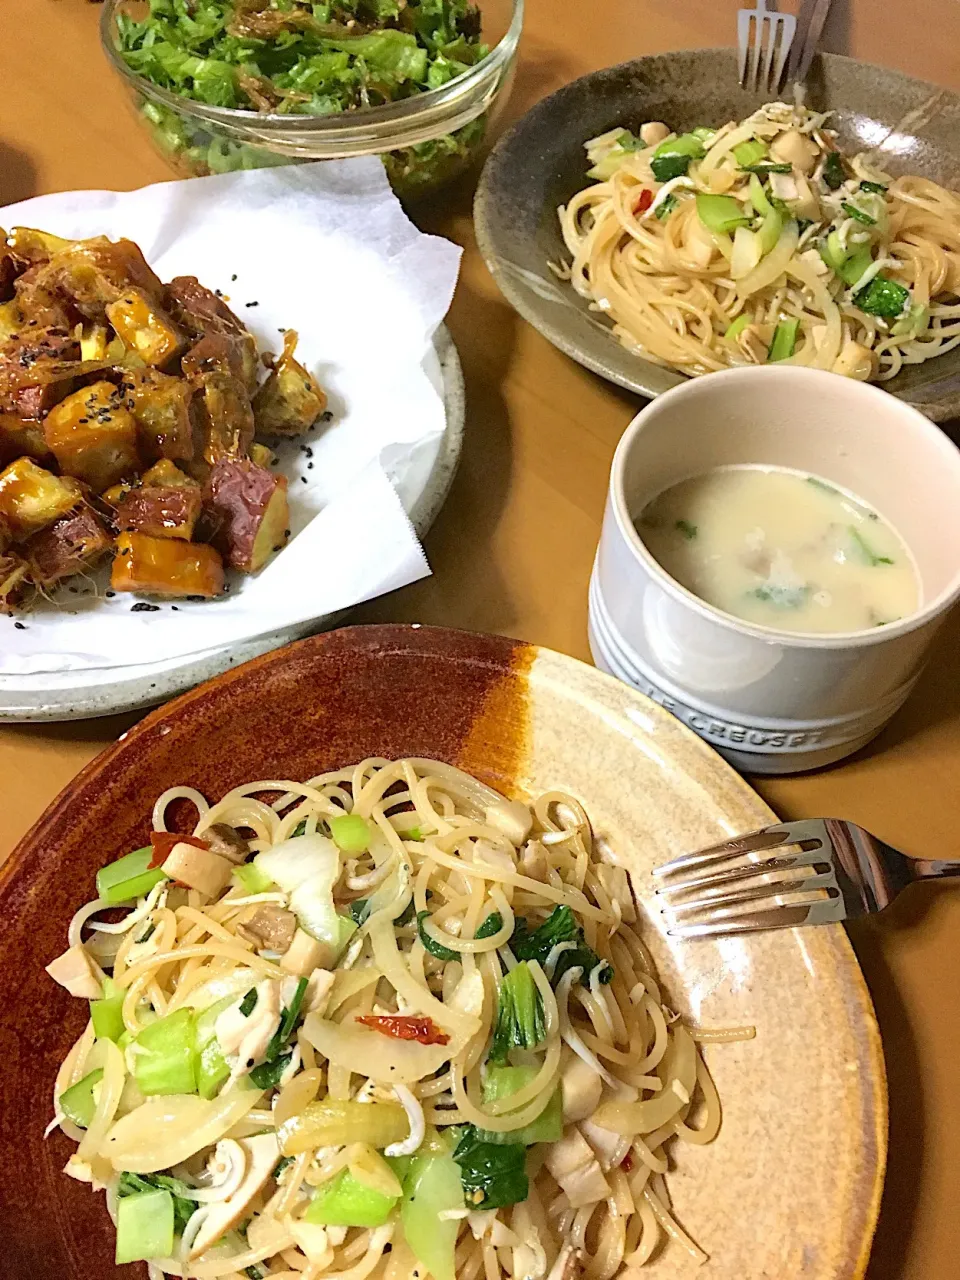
[(163, 842), (406, 1027), (644, 201), (626, 1164)]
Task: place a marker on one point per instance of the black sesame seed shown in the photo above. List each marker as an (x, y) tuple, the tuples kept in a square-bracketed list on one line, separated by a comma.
[(20, 626), (309, 466), (234, 276), (303, 479), (110, 594), (143, 607), (251, 304), (175, 608), (326, 416)]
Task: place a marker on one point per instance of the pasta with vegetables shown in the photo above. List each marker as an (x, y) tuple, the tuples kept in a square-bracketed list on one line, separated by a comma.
[(759, 241), (384, 1023)]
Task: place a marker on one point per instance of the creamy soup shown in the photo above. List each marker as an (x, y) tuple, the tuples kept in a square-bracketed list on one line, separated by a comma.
[(782, 549)]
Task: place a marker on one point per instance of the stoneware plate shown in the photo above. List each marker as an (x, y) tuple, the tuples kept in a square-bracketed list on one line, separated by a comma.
[(423, 486), (791, 1186), (540, 164)]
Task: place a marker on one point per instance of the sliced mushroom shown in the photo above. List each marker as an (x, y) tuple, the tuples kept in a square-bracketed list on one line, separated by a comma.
[(270, 927), (262, 1154), (227, 842), (206, 872), (577, 1170), (75, 971), (653, 132)]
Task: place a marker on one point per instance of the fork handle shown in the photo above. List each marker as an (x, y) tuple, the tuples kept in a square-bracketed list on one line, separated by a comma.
[(933, 868)]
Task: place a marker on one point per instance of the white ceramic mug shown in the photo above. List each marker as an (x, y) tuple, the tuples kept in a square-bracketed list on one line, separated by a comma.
[(775, 701)]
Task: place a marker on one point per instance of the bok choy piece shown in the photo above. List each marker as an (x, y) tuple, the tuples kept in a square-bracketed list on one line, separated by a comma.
[(144, 1226), (131, 1184), (883, 297), (560, 926), (165, 1057), (347, 1202), (833, 174), (351, 833), (129, 877), (673, 157), (77, 1102), (493, 1176), (432, 1186), (520, 1023), (784, 340), (503, 1082), (306, 867), (106, 1014)]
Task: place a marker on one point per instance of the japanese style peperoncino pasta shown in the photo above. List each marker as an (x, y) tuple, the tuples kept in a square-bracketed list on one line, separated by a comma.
[(407, 1028), (757, 242)]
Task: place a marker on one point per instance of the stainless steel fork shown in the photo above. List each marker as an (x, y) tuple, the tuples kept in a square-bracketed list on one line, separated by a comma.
[(764, 38), (817, 871)]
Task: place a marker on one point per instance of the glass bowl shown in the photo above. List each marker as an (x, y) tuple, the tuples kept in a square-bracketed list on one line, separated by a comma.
[(425, 141)]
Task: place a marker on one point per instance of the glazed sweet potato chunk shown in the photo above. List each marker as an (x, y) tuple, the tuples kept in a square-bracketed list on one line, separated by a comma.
[(144, 328), (200, 312), (164, 474), (31, 498), (251, 503), (161, 407), (166, 567), (21, 437), (291, 399), (93, 436), (160, 511), (92, 273), (226, 417), (72, 544), (33, 371)]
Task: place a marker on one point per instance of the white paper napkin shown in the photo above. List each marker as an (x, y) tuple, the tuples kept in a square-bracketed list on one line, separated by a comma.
[(325, 249)]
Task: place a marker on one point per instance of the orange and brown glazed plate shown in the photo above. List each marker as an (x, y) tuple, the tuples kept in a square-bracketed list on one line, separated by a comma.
[(792, 1185)]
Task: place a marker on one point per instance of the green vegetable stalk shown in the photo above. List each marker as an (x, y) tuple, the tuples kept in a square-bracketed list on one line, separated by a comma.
[(520, 1023)]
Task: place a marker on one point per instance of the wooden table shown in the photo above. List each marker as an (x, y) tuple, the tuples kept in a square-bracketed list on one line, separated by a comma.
[(513, 548)]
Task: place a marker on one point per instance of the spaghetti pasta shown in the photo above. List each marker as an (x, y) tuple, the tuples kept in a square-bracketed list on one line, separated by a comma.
[(758, 241), (478, 1078)]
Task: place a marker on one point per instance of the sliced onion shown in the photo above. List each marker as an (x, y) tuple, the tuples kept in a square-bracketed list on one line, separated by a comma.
[(377, 1056), (747, 252), (678, 1072), (773, 265), (168, 1130)]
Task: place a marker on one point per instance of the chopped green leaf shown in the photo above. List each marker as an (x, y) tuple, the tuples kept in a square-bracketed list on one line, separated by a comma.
[(433, 948), (493, 924), (672, 158), (784, 340), (766, 167), (864, 551), (688, 530), (288, 1022), (520, 1023), (249, 1002), (858, 215), (852, 270), (720, 214), (359, 910), (833, 172), (751, 152), (131, 1184), (882, 297), (781, 597), (666, 207), (493, 1175), (267, 1074), (876, 187), (560, 926)]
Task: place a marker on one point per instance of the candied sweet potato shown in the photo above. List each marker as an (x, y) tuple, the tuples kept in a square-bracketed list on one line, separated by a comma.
[(31, 498), (161, 407), (21, 436), (144, 328), (72, 544), (166, 567), (200, 312), (34, 373), (220, 352), (252, 505), (291, 399), (160, 511), (226, 417), (92, 273), (93, 436), (164, 474)]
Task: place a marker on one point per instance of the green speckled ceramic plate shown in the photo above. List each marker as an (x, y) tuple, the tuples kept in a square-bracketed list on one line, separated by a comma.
[(791, 1186), (540, 164)]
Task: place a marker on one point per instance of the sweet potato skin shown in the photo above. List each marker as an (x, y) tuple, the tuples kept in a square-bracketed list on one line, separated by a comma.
[(31, 498), (166, 567), (251, 504), (93, 436), (21, 437), (72, 544), (160, 511)]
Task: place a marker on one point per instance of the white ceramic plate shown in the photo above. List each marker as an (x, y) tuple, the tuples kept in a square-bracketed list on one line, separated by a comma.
[(79, 695)]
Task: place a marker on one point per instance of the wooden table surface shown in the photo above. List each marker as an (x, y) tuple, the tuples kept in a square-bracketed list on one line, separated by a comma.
[(512, 550)]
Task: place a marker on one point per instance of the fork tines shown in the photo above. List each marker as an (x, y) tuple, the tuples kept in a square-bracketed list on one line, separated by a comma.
[(774, 878)]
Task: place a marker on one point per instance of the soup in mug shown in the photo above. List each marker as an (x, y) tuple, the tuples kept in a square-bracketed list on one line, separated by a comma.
[(782, 549)]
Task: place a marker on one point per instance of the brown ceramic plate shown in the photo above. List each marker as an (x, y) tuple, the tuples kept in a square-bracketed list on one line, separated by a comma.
[(540, 164), (792, 1184)]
